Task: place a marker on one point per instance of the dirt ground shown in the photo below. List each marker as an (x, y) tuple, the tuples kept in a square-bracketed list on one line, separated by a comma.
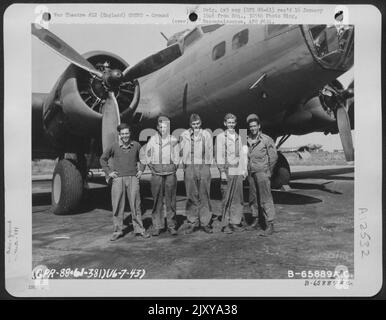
[(314, 231)]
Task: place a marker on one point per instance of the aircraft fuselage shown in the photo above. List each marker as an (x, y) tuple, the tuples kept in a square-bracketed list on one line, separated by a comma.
[(270, 70), (195, 82)]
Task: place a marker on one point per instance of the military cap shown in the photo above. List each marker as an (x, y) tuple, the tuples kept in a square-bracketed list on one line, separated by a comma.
[(123, 126), (253, 117), (162, 119)]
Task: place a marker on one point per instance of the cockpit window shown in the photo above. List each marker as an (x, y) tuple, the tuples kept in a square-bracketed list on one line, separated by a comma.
[(191, 37), (210, 27), (177, 37), (218, 51), (240, 39)]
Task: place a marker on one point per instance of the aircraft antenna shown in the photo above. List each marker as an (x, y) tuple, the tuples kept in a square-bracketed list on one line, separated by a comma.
[(166, 38)]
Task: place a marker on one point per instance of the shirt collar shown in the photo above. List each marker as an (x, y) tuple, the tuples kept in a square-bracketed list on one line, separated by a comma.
[(159, 140), (254, 141), (123, 146), (192, 136), (229, 135)]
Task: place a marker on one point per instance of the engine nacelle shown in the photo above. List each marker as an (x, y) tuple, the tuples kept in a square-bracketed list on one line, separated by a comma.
[(72, 112)]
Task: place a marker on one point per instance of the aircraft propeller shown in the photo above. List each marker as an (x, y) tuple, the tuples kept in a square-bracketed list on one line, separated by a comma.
[(339, 98), (110, 121), (63, 49), (111, 79)]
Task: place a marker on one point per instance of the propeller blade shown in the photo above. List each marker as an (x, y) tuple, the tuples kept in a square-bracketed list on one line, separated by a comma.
[(63, 49), (350, 91), (141, 69), (110, 121), (345, 133), (152, 63), (351, 85)]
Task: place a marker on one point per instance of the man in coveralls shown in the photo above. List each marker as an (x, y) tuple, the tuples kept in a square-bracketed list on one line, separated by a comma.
[(196, 149), (231, 161), (124, 174), (162, 157), (262, 157)]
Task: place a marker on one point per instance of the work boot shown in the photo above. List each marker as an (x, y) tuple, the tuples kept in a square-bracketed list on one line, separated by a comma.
[(116, 236), (237, 228), (190, 228), (227, 230), (143, 234), (172, 231), (207, 229), (268, 231), (156, 232), (244, 223), (253, 225)]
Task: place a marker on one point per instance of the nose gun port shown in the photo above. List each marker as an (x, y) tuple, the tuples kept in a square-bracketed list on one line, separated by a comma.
[(331, 45)]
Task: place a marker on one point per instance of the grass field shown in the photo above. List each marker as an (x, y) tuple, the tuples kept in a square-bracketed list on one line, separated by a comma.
[(319, 158), (42, 166)]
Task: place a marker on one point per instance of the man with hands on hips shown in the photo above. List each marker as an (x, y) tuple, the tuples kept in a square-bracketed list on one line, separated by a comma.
[(124, 173)]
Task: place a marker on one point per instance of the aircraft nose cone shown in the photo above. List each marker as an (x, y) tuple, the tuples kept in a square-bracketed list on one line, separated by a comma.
[(116, 74), (114, 78)]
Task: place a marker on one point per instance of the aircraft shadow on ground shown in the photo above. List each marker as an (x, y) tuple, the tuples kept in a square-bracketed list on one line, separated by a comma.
[(289, 198), (41, 199), (314, 186), (100, 198)]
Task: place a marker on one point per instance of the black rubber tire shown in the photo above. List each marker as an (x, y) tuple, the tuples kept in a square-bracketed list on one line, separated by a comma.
[(68, 198), (281, 173)]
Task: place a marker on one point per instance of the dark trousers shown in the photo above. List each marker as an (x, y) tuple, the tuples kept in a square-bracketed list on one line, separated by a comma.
[(260, 196), (164, 187), (197, 184), (233, 200), (120, 186)]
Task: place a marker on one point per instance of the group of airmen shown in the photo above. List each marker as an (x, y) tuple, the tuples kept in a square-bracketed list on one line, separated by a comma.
[(252, 157)]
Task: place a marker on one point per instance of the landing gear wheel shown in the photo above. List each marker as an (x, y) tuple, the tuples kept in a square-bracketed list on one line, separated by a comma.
[(67, 188), (281, 173)]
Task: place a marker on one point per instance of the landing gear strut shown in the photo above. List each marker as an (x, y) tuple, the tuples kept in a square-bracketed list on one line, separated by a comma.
[(67, 185), (281, 173)]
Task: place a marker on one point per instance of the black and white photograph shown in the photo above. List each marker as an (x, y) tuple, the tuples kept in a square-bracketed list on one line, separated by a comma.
[(285, 77), (199, 151)]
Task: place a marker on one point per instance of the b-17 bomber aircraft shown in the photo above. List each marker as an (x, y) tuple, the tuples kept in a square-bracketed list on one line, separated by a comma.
[(287, 74)]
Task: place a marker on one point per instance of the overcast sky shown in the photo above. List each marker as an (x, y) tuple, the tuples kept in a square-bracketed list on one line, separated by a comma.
[(132, 43)]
